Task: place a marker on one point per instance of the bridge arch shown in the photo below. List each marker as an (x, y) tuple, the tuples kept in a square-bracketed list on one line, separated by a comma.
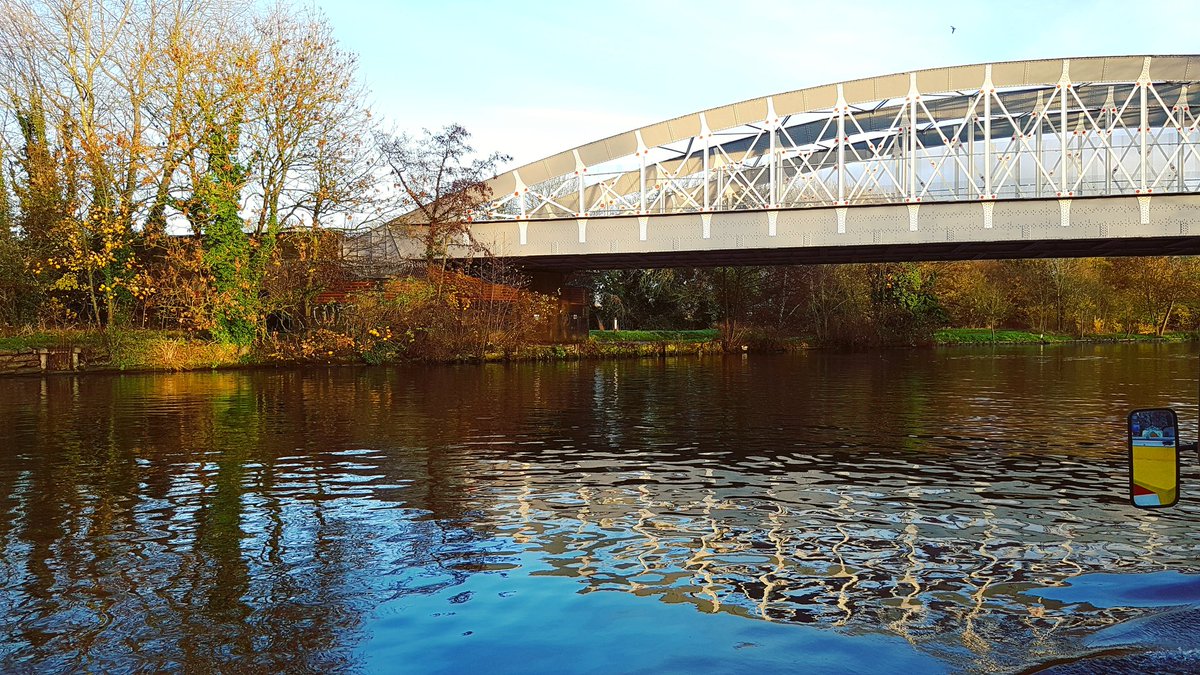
[(1053, 126), (1081, 156)]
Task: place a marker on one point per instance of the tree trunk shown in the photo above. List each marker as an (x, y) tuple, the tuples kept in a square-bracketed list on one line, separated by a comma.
[(1162, 327)]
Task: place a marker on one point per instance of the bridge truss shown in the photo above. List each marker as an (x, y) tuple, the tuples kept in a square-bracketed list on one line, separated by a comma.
[(1112, 126)]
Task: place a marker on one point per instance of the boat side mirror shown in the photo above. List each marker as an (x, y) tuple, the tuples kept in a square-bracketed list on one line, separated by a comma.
[(1153, 458)]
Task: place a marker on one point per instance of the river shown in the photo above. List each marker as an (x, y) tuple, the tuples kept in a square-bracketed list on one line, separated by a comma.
[(948, 510)]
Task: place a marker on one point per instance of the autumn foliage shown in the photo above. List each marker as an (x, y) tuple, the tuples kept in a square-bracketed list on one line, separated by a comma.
[(905, 303), (129, 124)]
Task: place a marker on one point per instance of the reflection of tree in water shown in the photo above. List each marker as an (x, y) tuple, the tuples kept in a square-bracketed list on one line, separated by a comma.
[(198, 536)]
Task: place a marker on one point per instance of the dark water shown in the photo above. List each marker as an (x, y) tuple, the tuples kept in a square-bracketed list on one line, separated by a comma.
[(923, 511)]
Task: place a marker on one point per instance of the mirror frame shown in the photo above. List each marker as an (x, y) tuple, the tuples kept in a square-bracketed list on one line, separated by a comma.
[(1129, 434)]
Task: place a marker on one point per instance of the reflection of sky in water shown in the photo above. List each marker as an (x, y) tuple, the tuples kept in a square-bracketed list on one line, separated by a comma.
[(1154, 589), (917, 510)]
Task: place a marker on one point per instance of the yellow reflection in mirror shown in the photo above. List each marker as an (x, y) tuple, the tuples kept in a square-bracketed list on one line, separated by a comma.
[(1154, 458)]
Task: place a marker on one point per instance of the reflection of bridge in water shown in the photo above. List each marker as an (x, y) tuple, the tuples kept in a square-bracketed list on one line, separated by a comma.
[(1091, 156), (919, 562)]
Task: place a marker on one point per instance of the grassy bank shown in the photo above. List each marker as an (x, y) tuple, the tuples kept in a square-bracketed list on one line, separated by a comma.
[(134, 349), (977, 336), (43, 340), (593, 349), (707, 335), (149, 350)]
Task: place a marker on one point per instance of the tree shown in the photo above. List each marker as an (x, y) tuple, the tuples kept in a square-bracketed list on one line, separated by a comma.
[(1153, 288), (440, 182), (125, 121), (314, 162), (67, 48), (100, 91), (307, 124), (1092, 303), (177, 90), (654, 298), (838, 299), (233, 259), (904, 307), (986, 296), (6, 222), (218, 177), (736, 291)]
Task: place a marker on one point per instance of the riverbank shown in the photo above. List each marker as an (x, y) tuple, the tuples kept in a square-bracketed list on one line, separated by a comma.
[(139, 350), (942, 338), (158, 351), (984, 336)]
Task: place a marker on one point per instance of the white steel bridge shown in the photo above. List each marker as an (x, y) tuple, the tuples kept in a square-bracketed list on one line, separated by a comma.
[(1088, 156)]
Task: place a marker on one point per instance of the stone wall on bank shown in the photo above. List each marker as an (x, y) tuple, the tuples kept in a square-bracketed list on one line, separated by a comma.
[(37, 361)]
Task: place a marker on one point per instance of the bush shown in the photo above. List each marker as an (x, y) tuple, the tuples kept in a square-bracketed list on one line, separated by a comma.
[(322, 345), (453, 317)]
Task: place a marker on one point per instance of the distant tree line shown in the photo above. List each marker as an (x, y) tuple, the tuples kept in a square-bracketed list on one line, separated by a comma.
[(904, 303)]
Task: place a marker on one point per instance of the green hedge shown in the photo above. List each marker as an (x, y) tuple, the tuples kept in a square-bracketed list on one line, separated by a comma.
[(706, 335), (969, 336)]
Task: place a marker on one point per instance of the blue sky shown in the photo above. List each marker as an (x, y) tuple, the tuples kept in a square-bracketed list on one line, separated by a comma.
[(533, 78)]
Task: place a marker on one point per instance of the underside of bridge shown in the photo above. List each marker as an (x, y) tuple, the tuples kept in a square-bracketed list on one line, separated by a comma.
[(869, 253)]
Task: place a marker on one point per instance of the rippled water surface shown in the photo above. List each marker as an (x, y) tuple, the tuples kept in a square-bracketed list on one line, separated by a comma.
[(924, 511)]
